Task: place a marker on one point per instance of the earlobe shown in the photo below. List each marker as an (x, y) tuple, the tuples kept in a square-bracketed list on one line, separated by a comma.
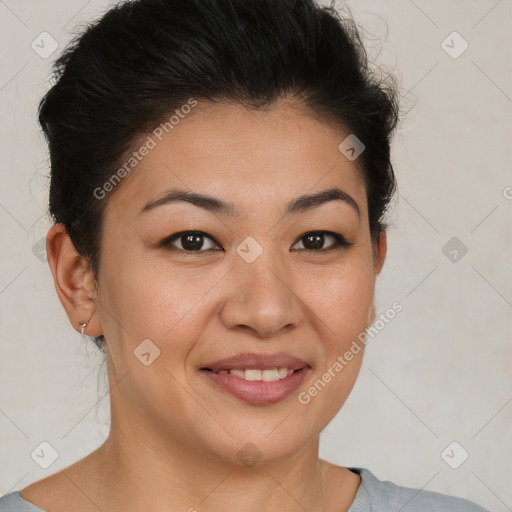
[(74, 282)]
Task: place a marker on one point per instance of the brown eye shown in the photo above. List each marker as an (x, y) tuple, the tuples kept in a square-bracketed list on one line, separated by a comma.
[(315, 240), (190, 241)]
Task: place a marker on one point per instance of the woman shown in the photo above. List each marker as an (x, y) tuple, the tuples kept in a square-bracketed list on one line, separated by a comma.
[(220, 172)]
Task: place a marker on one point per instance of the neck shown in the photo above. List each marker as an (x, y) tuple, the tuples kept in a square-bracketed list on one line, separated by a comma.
[(136, 472)]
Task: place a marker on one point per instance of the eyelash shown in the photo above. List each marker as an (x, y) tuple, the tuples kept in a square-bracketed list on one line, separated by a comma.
[(339, 241)]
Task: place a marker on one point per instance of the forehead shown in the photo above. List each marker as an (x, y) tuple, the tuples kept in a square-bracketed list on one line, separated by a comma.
[(248, 157)]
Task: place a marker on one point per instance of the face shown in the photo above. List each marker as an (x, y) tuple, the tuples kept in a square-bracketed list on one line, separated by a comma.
[(257, 279)]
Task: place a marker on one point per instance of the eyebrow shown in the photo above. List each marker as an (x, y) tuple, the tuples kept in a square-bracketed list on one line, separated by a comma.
[(301, 204)]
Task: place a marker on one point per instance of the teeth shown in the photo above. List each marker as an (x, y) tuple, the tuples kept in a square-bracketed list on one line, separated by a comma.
[(269, 375), (253, 374), (283, 372)]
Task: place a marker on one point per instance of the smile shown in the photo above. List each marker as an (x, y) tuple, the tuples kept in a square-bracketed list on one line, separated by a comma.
[(257, 387)]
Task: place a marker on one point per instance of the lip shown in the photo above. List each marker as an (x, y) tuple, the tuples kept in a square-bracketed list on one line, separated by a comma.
[(257, 392), (254, 361)]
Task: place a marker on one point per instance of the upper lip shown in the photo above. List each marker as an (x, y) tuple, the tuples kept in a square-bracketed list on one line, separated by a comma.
[(257, 362)]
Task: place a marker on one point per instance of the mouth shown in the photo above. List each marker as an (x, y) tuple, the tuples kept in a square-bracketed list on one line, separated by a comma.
[(257, 379)]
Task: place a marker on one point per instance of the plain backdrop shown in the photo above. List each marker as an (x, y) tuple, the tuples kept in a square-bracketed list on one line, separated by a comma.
[(438, 373)]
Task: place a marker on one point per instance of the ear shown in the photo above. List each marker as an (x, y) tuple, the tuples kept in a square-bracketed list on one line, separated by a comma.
[(74, 282), (379, 255)]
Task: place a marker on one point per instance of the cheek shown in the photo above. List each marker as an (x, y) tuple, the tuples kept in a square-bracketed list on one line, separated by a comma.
[(145, 298), (341, 296), (342, 301)]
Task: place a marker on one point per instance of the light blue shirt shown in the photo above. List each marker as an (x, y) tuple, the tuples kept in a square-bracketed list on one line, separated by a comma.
[(373, 495)]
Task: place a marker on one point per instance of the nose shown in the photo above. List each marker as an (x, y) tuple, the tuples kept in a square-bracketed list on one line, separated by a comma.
[(261, 299)]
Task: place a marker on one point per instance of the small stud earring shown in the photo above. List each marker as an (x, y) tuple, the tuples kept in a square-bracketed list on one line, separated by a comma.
[(82, 325)]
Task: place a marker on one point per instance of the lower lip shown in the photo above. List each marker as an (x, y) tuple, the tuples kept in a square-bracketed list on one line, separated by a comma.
[(258, 392)]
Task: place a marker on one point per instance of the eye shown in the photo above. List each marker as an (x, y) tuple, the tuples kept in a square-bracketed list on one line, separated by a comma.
[(189, 241), (314, 240)]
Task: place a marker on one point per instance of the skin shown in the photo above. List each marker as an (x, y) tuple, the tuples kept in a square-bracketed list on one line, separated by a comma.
[(174, 437)]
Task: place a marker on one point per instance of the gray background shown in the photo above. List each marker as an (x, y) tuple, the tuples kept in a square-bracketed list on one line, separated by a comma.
[(439, 372)]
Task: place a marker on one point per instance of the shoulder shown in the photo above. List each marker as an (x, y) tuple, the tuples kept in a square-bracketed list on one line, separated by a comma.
[(63, 490), (13, 502), (385, 496)]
